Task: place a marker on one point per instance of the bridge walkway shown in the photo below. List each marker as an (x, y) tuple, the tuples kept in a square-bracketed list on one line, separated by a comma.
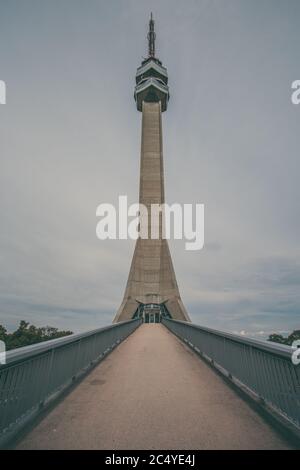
[(153, 392)]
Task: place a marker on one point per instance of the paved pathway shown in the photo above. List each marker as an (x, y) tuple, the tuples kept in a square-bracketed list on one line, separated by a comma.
[(152, 392)]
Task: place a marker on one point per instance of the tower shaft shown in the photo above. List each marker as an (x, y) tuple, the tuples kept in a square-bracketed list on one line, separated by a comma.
[(151, 278)]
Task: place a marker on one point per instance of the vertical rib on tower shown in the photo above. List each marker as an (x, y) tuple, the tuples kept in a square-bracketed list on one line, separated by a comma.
[(151, 278)]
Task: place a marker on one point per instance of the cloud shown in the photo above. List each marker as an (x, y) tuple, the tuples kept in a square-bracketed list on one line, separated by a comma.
[(70, 139)]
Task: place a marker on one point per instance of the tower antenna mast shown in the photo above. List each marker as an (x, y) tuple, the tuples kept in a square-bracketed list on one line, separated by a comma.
[(151, 38)]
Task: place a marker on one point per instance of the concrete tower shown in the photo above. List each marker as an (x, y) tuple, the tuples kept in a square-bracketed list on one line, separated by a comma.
[(151, 290)]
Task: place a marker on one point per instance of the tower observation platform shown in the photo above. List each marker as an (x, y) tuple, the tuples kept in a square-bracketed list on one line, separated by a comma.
[(151, 292), (151, 77)]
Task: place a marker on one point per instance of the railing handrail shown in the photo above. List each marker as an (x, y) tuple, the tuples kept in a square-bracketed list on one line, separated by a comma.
[(35, 375), (268, 346), (17, 355), (263, 370)]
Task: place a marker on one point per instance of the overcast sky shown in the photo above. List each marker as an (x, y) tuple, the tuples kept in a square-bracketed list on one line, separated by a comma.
[(70, 139)]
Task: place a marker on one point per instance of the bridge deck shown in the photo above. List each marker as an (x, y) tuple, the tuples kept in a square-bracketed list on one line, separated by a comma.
[(152, 392)]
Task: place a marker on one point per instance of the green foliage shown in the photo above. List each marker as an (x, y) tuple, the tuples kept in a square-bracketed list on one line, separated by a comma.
[(288, 340), (27, 334)]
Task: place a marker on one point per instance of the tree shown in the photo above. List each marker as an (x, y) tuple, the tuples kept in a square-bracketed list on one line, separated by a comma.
[(275, 338), (27, 334), (293, 337), (3, 333)]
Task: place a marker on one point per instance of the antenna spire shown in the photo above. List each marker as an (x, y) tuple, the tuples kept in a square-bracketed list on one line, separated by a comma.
[(151, 38)]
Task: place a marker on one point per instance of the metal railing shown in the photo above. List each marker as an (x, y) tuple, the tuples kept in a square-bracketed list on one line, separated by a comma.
[(34, 375), (263, 369)]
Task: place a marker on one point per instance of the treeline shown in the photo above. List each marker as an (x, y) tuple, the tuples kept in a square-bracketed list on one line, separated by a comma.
[(285, 340), (27, 334)]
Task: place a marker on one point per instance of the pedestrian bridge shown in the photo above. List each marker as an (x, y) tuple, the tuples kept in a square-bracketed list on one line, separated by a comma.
[(169, 385)]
